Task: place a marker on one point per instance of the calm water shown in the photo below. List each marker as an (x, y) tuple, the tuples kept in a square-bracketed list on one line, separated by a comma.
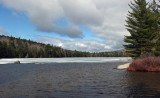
[(76, 80)]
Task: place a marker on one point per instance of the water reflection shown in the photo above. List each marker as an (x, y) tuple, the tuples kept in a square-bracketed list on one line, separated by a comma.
[(142, 84)]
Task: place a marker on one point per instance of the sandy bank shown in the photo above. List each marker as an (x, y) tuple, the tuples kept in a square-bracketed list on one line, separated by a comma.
[(124, 66)]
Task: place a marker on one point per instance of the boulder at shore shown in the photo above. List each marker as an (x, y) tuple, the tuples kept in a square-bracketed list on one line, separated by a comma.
[(124, 66), (17, 62)]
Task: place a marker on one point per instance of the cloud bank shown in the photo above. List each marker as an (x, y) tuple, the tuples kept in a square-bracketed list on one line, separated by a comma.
[(81, 45)]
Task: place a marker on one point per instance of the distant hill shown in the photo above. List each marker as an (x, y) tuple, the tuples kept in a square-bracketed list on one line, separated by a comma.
[(11, 47)]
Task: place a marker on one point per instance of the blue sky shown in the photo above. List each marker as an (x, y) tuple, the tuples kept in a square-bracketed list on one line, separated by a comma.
[(18, 24), (85, 25)]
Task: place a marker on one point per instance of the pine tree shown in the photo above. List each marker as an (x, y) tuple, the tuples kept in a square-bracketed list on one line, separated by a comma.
[(142, 24), (157, 45)]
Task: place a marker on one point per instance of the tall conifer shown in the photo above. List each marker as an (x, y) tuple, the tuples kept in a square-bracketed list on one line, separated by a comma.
[(157, 45), (142, 24)]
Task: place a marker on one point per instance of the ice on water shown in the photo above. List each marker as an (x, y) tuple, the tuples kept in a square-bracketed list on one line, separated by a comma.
[(64, 60)]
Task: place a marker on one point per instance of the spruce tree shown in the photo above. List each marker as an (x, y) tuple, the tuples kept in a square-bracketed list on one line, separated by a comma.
[(142, 24), (157, 45)]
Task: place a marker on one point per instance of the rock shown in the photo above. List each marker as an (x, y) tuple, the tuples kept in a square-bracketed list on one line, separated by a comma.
[(123, 66), (17, 62)]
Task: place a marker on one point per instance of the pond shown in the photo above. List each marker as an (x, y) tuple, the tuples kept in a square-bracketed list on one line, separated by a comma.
[(76, 80)]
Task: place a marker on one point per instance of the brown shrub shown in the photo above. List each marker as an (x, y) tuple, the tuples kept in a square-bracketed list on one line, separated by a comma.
[(148, 64)]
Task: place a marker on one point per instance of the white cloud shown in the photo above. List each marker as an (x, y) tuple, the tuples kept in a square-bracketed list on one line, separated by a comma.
[(82, 12), (106, 18), (2, 31)]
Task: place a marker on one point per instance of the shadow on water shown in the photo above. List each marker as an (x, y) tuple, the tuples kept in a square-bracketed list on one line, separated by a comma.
[(76, 80)]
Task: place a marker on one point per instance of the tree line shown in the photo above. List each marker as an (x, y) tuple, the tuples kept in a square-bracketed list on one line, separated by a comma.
[(11, 47), (143, 24)]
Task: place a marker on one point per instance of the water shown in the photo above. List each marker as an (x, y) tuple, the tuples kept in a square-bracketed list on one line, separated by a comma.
[(76, 80)]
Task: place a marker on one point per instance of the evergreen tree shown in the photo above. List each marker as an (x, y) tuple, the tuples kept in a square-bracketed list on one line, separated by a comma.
[(157, 45), (142, 24)]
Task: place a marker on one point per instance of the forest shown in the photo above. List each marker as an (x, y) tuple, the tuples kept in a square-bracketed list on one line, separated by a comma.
[(11, 47)]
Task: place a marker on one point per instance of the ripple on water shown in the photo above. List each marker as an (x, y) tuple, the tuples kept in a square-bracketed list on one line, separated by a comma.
[(77, 80)]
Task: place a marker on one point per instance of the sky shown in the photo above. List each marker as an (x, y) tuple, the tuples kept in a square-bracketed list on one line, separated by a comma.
[(83, 25)]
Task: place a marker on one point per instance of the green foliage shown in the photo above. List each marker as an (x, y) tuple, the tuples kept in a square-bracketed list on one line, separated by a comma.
[(11, 47), (142, 24)]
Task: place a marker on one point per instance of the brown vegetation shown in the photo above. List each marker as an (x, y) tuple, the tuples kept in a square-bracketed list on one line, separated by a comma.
[(147, 64)]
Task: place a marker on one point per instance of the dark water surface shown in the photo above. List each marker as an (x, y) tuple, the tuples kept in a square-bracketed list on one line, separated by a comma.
[(76, 80)]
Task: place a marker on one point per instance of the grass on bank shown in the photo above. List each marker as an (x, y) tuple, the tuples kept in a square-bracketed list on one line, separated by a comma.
[(147, 64)]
